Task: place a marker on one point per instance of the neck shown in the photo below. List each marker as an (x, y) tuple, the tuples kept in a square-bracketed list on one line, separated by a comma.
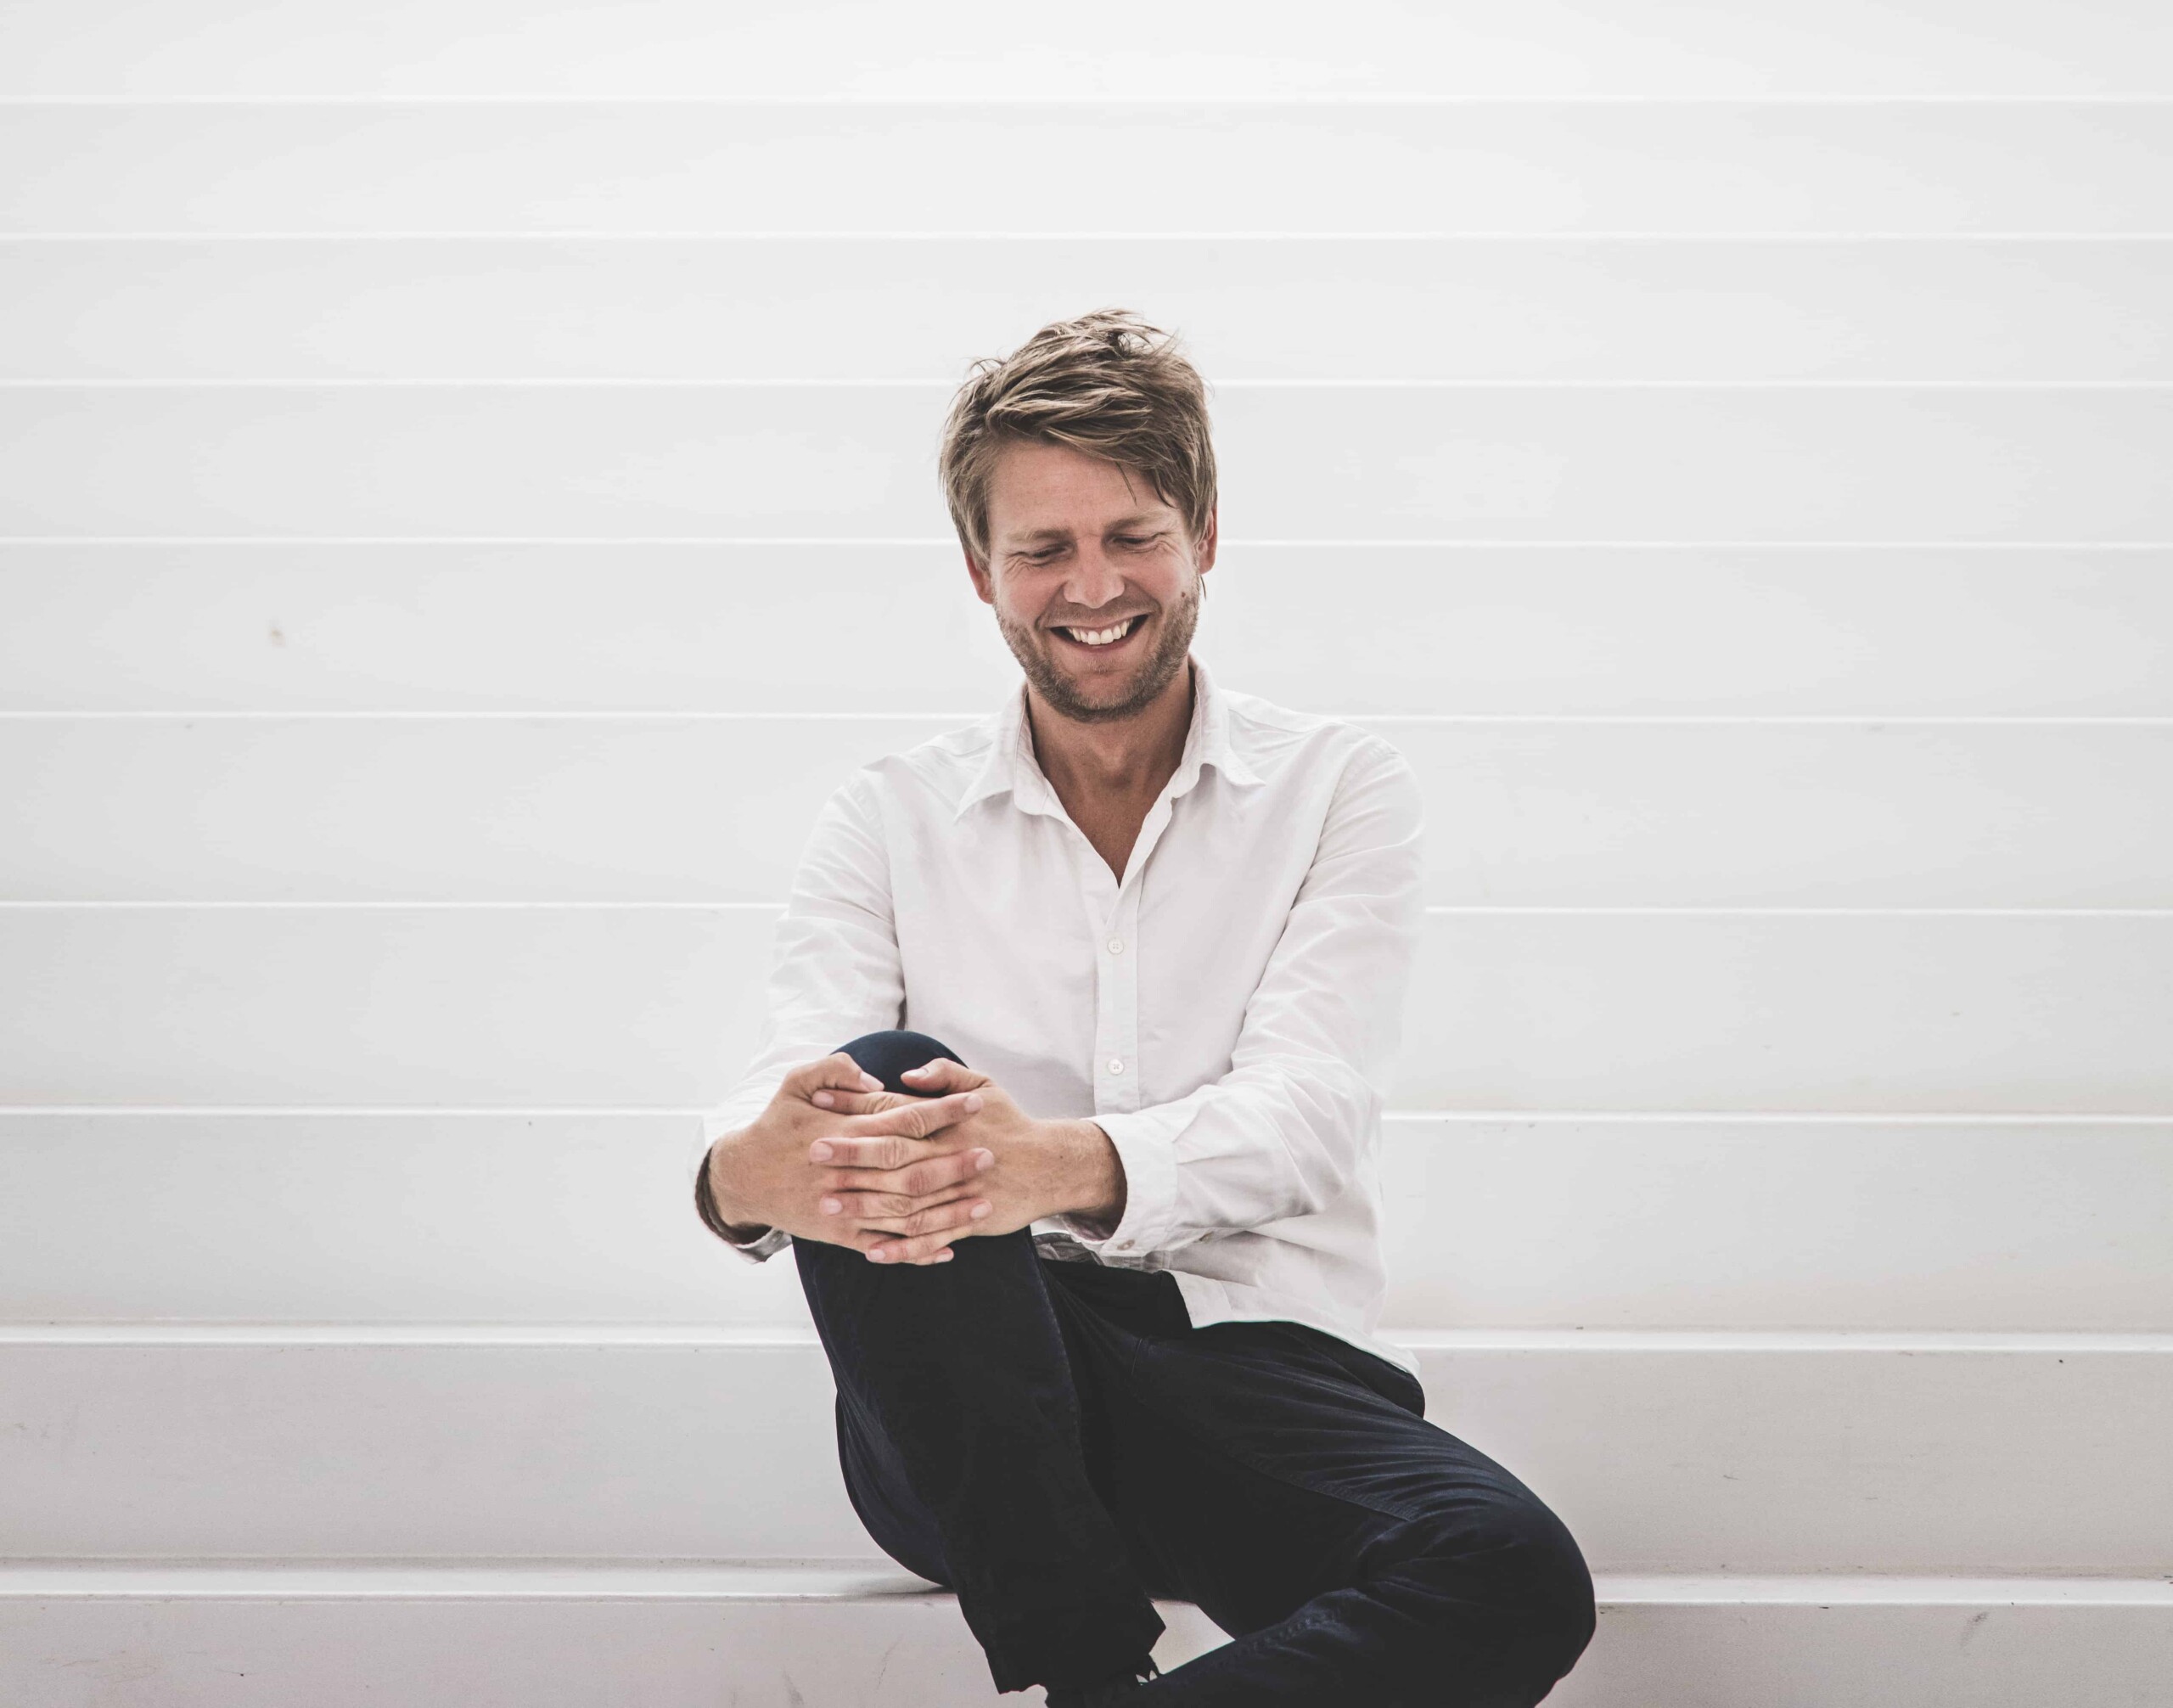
[(1133, 757)]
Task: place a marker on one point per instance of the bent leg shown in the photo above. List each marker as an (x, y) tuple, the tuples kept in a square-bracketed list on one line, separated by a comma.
[(1287, 1484), (959, 1430)]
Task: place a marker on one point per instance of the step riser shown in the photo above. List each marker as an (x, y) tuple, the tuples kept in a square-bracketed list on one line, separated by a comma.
[(1563, 1224), (1877, 1013), (1573, 815), (574, 628), (67, 1652), (1735, 1459)]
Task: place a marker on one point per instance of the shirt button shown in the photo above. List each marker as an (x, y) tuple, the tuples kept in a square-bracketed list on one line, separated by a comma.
[(1115, 946), (1115, 1064)]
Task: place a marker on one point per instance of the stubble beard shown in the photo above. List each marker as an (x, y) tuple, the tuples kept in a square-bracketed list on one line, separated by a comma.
[(1155, 672)]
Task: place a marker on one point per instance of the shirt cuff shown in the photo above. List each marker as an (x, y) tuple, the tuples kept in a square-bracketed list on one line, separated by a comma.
[(1146, 1148)]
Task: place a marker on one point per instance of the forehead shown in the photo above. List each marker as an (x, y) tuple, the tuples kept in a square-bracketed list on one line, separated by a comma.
[(1034, 488)]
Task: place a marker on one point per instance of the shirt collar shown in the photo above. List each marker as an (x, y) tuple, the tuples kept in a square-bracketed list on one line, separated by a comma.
[(1010, 767)]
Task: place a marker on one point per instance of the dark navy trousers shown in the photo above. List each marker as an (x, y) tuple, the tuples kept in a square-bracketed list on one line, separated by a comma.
[(1058, 1443)]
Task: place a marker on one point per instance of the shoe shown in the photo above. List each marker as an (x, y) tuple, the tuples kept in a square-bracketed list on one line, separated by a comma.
[(1112, 1692)]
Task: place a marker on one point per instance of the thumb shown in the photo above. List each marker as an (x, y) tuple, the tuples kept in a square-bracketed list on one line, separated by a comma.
[(835, 1072), (941, 1076)]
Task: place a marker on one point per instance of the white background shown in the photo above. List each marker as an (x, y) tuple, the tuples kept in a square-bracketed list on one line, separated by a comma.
[(467, 482)]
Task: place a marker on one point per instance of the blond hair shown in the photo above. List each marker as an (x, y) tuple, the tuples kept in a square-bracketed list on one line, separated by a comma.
[(1106, 383)]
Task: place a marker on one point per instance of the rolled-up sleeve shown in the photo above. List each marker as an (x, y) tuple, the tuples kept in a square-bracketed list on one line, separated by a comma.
[(1279, 1134), (833, 974)]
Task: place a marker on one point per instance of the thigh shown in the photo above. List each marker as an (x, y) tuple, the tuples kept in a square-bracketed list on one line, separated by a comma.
[(1254, 1466)]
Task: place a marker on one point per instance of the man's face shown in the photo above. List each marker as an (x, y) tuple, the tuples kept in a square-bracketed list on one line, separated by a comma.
[(1094, 580)]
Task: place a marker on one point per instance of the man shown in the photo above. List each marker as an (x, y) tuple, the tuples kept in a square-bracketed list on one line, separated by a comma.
[(1094, 1247)]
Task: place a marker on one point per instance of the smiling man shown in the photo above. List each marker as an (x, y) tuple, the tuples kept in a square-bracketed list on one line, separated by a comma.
[(1068, 1103)]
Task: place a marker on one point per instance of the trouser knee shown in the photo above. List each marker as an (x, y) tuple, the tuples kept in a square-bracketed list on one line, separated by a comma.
[(1518, 1563), (887, 1055)]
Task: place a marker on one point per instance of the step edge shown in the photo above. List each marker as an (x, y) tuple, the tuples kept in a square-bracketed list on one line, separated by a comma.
[(779, 1580), (756, 1337)]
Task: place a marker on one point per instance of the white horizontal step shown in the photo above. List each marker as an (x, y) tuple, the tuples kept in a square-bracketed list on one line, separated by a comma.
[(1768, 1459), (1689, 464), (388, 1225), (678, 309), (290, 167), (1804, 1013), (975, 49), (861, 1581), (458, 1636), (1546, 630), (681, 810)]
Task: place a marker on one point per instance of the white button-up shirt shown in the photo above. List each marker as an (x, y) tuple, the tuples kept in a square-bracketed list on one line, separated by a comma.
[(1228, 1013)]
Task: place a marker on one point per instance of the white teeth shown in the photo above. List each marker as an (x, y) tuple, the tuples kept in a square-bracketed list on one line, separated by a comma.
[(1100, 637)]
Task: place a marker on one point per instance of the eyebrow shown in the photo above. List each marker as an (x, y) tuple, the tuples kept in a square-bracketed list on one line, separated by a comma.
[(1133, 524)]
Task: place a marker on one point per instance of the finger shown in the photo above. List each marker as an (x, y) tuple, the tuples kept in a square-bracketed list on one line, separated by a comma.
[(858, 1101), (915, 1249), (936, 1218), (836, 1071), (913, 1119), (873, 1209), (944, 1074), (926, 1176)]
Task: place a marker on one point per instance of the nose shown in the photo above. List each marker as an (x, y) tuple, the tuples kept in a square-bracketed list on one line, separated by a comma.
[(1094, 580)]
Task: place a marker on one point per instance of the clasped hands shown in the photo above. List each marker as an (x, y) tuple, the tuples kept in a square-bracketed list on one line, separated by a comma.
[(836, 1158)]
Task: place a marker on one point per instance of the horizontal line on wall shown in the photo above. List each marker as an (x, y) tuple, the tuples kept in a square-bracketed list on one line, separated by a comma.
[(946, 385), (1464, 542), (398, 905), (138, 1333), (1858, 720), (1475, 1117), (967, 234), (374, 904), (1036, 101)]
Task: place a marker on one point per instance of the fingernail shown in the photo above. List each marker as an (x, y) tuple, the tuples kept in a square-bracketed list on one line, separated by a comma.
[(923, 1068), (973, 1102), (831, 1206), (980, 1209), (820, 1150), (944, 1255), (881, 1254), (984, 1158), (869, 1082), (822, 1099)]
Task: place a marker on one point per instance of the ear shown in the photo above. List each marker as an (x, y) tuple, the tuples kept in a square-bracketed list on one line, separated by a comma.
[(982, 583), (1208, 538)]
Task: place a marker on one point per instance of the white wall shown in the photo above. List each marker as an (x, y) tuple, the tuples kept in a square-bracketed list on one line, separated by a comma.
[(1727, 447)]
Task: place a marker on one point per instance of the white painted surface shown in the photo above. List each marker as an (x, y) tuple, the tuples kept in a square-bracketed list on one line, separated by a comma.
[(1697, 463), (1521, 815), (1747, 1453), (1881, 291), (1602, 631), (1322, 308), (1560, 1222), (1907, 169), (979, 48), (508, 1636), (2001, 1013)]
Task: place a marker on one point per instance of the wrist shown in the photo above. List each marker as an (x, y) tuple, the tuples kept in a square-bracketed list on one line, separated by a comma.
[(1098, 1182), (733, 1220)]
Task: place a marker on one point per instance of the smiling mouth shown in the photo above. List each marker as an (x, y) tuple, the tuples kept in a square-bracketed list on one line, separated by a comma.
[(1095, 639)]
